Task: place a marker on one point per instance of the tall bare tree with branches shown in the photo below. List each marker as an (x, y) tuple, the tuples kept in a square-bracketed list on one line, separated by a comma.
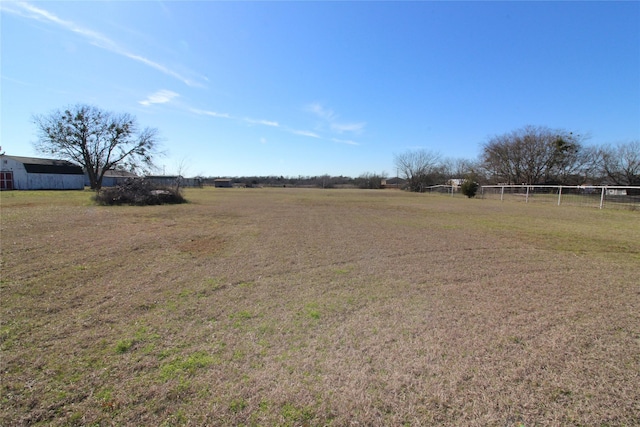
[(620, 164), (96, 139), (418, 167), (532, 155)]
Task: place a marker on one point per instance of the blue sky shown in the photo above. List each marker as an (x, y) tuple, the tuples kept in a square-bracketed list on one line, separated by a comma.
[(308, 88)]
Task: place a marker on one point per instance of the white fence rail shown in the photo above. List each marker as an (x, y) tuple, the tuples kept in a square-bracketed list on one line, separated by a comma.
[(597, 196), (625, 197)]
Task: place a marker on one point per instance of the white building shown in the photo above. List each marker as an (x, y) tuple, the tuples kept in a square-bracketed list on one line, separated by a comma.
[(29, 173)]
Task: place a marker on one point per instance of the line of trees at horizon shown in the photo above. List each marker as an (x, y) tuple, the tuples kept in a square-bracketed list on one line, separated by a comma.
[(532, 155), (100, 141)]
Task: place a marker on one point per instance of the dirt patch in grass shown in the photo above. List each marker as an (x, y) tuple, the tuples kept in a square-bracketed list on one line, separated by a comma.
[(309, 307)]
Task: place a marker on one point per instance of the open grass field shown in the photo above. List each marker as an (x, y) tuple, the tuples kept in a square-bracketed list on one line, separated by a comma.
[(293, 307)]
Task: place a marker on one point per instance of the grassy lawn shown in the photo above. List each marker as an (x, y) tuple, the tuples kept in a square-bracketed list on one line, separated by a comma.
[(299, 307)]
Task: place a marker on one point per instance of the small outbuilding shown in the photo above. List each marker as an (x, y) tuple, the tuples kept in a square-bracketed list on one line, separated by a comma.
[(393, 183), (222, 183), (163, 180), (31, 173), (111, 178)]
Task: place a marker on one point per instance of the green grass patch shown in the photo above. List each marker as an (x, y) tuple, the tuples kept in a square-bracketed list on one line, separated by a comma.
[(123, 346), (296, 414), (186, 366)]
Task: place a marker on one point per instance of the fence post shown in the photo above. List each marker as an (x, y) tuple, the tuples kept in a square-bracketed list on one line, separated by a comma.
[(602, 197), (502, 193), (526, 199), (559, 194)]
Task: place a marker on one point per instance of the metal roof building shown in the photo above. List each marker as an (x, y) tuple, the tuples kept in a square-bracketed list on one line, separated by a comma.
[(30, 173)]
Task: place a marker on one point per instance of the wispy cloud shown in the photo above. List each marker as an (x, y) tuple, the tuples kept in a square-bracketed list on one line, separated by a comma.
[(304, 133), (246, 120), (210, 113), (348, 127), (20, 82), (261, 122), (344, 141), (320, 111), (160, 97), (93, 37), (330, 119), (269, 123)]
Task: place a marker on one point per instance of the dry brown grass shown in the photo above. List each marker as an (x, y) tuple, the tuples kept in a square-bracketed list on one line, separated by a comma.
[(310, 307)]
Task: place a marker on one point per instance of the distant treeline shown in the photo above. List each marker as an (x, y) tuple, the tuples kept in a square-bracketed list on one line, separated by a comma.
[(367, 180)]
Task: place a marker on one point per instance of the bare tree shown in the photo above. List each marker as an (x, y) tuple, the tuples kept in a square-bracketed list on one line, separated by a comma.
[(418, 167), (620, 164), (460, 168), (532, 155), (182, 168), (96, 139)]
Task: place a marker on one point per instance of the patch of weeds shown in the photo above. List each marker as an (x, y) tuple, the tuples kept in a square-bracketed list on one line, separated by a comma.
[(264, 405), (149, 348), (171, 306), (213, 284), (165, 353), (75, 419), (265, 329), (202, 293), (314, 314), (240, 317), (184, 385), (238, 355), (312, 311), (237, 405), (177, 419), (123, 346), (245, 284), (187, 366), (295, 415), (142, 334), (244, 314), (343, 270), (105, 397), (104, 394), (7, 337)]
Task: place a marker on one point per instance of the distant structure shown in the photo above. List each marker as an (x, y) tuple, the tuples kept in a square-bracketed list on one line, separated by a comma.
[(111, 178), (455, 183), (30, 173), (393, 183), (163, 180), (222, 183)]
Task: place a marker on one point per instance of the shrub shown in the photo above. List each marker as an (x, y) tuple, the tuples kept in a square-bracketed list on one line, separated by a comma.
[(123, 346), (138, 192), (469, 188)]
